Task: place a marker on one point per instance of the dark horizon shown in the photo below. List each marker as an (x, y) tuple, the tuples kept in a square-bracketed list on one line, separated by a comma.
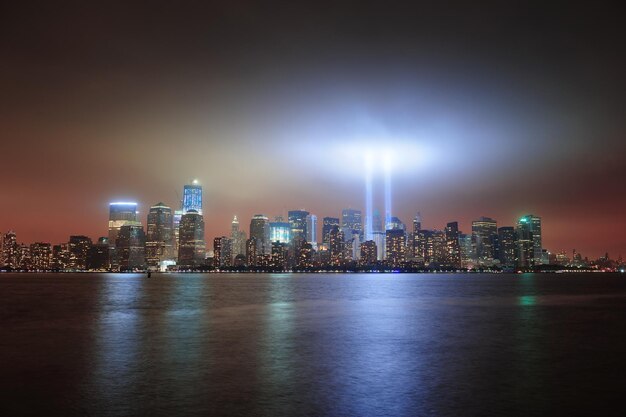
[(499, 111)]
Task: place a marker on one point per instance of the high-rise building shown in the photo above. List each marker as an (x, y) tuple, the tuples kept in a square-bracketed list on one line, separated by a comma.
[(120, 214), (192, 197), (507, 245), (395, 240), (280, 231), (351, 223), (336, 246), (192, 248), (222, 252), (453, 250), (160, 238), (98, 257), (298, 223), (260, 231), (61, 256), (130, 247), (79, 249), (529, 248), (467, 254), (9, 251), (379, 239), (41, 256), (238, 239), (251, 253), (484, 240), (305, 256), (279, 255), (311, 230), (369, 253), (395, 223), (327, 224)]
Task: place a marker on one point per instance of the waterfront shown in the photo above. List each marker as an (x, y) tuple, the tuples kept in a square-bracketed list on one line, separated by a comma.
[(312, 344)]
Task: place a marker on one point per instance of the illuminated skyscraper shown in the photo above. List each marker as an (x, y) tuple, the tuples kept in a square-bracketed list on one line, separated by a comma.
[(279, 255), (251, 254), (222, 252), (260, 231), (351, 222), (369, 253), (120, 214), (327, 224), (336, 246), (41, 256), (529, 241), (79, 247), (484, 238), (395, 240), (507, 246), (238, 238), (192, 197), (298, 223), (280, 231), (192, 247), (159, 239), (453, 250), (9, 251), (130, 247)]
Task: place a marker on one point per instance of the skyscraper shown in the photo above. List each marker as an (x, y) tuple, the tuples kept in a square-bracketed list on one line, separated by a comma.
[(260, 231), (351, 223), (222, 252), (369, 253), (298, 223), (529, 241), (120, 214), (160, 238), (98, 257), (311, 230), (280, 231), (41, 256), (192, 197), (192, 247), (336, 246), (453, 250), (9, 251), (238, 238), (130, 247), (507, 245), (327, 224), (484, 238), (395, 240), (79, 247)]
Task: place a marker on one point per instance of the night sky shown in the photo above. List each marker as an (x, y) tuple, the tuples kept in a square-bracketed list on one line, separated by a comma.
[(489, 110)]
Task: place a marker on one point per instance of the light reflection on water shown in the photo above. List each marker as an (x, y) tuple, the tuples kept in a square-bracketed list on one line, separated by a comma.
[(338, 345)]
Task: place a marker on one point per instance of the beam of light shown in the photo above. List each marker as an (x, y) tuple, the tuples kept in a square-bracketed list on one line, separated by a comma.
[(387, 168), (368, 196)]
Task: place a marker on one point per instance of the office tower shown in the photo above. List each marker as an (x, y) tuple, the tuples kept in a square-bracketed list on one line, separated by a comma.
[(351, 222), (377, 222), (311, 229), (395, 240), (305, 256), (61, 256), (238, 238), (24, 257), (369, 253), (529, 241), (79, 249), (484, 238), (192, 248), (260, 231), (251, 254), (130, 248), (327, 224), (9, 250), (453, 250), (178, 214), (417, 223), (507, 244), (467, 255), (192, 197), (336, 246), (280, 231), (279, 255), (297, 222), (41, 256), (159, 238), (120, 214), (98, 256), (222, 252)]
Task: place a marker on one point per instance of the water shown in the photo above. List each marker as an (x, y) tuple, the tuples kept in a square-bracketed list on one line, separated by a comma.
[(312, 344)]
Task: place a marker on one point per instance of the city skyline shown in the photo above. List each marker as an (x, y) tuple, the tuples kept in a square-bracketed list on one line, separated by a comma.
[(520, 114)]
